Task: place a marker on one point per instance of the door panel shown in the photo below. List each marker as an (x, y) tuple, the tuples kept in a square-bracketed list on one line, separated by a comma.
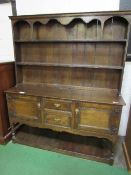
[(94, 118), (26, 108), (98, 117)]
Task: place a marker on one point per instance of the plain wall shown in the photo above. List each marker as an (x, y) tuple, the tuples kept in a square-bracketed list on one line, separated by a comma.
[(126, 94), (6, 42), (27, 7)]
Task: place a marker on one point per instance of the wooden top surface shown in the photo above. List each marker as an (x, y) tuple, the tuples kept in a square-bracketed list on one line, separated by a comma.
[(65, 92)]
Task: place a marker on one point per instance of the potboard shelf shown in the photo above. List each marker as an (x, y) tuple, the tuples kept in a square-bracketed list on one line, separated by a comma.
[(87, 147)]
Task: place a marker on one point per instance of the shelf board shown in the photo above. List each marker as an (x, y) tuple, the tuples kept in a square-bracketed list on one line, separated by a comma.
[(68, 65), (71, 41)]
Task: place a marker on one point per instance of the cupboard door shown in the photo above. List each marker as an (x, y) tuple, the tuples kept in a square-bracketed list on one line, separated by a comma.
[(57, 118), (99, 118), (25, 108)]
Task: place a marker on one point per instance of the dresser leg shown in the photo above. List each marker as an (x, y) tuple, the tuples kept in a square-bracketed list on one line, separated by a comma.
[(13, 132)]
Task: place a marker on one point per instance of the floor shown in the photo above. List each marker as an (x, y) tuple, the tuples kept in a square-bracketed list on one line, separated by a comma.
[(20, 159), (119, 160)]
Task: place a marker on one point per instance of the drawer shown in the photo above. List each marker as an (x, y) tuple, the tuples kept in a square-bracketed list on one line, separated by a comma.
[(24, 97), (57, 104), (95, 105), (25, 108), (57, 118)]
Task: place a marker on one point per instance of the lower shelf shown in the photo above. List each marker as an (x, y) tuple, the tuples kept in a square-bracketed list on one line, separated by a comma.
[(85, 147)]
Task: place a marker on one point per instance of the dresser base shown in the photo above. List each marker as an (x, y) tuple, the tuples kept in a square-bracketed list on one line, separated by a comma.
[(85, 147)]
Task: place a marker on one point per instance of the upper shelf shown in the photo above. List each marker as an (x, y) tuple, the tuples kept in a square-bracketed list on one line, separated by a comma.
[(114, 28), (73, 41)]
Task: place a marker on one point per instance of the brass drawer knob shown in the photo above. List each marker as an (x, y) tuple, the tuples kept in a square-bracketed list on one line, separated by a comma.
[(22, 92), (57, 105), (38, 104), (76, 111), (35, 118), (56, 119)]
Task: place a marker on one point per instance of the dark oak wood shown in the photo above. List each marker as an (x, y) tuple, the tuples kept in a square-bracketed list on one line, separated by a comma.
[(69, 70), (127, 144), (7, 80)]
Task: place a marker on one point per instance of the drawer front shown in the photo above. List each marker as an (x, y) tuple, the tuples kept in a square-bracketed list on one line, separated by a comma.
[(57, 118), (57, 104), (95, 106), (99, 118), (18, 96), (24, 108)]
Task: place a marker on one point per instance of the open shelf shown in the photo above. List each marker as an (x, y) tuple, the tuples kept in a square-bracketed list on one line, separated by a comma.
[(22, 30), (68, 92), (115, 27), (71, 41), (68, 65), (92, 54), (75, 145)]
